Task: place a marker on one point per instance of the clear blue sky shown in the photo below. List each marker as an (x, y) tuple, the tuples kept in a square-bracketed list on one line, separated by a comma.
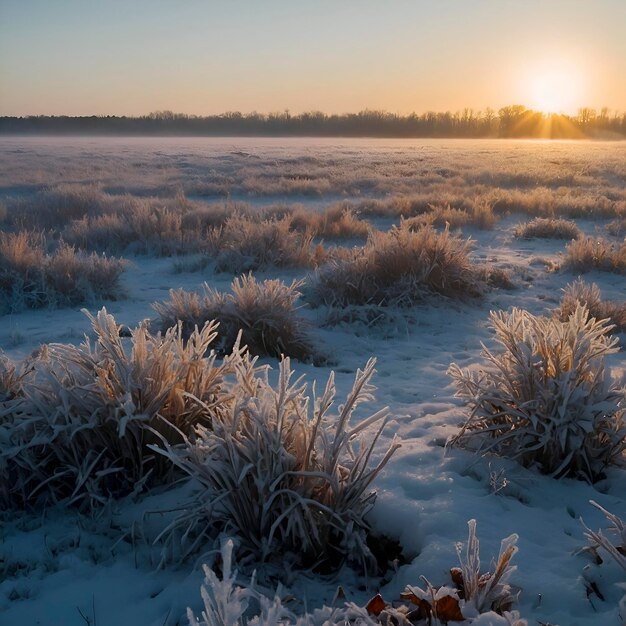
[(112, 57)]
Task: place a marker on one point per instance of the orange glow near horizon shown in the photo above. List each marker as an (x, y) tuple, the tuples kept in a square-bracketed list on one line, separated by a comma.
[(555, 87), (207, 58)]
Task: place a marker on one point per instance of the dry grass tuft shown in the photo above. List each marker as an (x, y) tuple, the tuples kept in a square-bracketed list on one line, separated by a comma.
[(57, 206), (204, 218), (339, 221), (617, 227), (264, 312), (243, 244), (482, 214), (475, 593), (497, 277), (588, 254), (398, 267), (581, 293), (144, 230), (548, 228), (479, 215), (438, 216), (545, 397), (32, 278)]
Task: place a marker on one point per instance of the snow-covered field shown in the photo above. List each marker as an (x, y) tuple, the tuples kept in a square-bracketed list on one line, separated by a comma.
[(60, 568)]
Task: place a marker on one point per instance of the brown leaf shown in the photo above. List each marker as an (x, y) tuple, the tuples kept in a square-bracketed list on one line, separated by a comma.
[(457, 576), (448, 610), (375, 605), (423, 606), (411, 597)]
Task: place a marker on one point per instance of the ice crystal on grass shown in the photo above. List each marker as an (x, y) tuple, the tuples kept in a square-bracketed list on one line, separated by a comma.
[(224, 602), (292, 485), (475, 596), (545, 397)]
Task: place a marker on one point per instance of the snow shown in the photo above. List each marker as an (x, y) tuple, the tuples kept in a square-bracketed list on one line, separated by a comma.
[(54, 567)]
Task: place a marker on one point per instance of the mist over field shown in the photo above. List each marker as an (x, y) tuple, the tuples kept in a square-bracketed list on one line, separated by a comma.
[(514, 121)]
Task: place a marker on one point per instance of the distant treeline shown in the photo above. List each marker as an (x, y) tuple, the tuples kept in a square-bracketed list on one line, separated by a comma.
[(511, 121)]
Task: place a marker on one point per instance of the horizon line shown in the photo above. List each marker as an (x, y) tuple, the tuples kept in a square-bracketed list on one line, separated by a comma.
[(286, 112)]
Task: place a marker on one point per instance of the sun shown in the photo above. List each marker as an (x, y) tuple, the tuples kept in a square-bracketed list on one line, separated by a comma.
[(555, 88)]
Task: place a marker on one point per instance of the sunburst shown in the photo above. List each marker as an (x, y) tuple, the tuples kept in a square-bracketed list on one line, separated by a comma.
[(555, 87)]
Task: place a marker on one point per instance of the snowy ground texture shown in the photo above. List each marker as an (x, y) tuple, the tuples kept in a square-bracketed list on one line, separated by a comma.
[(64, 569)]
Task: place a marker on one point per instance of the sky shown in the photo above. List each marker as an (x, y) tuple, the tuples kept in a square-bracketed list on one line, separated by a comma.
[(87, 57)]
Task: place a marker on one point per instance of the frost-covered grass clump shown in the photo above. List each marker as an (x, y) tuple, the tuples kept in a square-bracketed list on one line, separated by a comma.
[(77, 420), (548, 228), (58, 205), (589, 295), (545, 397), (289, 478), (142, 230), (478, 213), (264, 312), (588, 253), (398, 267), (30, 277), (336, 222), (617, 227), (86, 217), (475, 599), (243, 244), (83, 424), (438, 216)]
